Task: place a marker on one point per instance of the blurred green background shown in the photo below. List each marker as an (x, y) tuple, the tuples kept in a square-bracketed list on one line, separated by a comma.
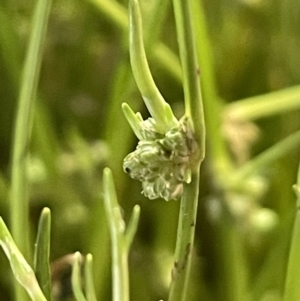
[(79, 129)]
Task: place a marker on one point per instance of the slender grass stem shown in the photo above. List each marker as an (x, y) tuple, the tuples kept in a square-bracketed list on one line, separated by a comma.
[(185, 240), (76, 278), (42, 253), (89, 279), (292, 288), (23, 125), (233, 275), (158, 108), (253, 108), (120, 239), (21, 269), (117, 228), (194, 111), (190, 71), (219, 156)]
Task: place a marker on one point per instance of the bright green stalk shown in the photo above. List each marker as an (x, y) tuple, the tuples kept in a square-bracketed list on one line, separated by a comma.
[(235, 278), (117, 228), (158, 108), (185, 240), (266, 105), (194, 111), (21, 269), (42, 253), (120, 239), (76, 278), (219, 156), (190, 71), (292, 288), (89, 279), (23, 125)]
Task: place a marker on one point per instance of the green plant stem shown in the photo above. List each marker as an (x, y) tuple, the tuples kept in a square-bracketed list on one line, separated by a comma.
[(42, 253), (121, 240), (185, 240), (23, 125), (253, 108), (219, 156), (190, 71), (76, 278), (233, 275), (117, 228), (21, 269), (194, 111), (99, 234), (292, 288), (156, 105), (89, 278)]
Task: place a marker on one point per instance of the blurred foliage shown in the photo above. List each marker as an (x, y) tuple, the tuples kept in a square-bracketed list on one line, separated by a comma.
[(79, 129)]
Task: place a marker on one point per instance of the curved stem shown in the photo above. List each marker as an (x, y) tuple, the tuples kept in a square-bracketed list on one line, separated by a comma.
[(21, 269), (158, 108)]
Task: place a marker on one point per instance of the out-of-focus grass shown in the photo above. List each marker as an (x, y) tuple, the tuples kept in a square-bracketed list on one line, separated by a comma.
[(79, 128)]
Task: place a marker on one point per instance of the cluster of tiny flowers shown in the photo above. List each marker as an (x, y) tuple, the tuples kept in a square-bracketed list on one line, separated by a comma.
[(161, 161)]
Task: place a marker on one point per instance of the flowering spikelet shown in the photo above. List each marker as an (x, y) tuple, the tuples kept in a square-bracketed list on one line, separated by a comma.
[(161, 161)]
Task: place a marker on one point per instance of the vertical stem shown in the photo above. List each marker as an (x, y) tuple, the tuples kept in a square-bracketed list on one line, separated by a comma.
[(89, 279), (292, 288), (190, 71), (19, 197), (117, 228), (219, 156), (233, 278), (76, 278), (42, 253), (185, 239), (194, 111)]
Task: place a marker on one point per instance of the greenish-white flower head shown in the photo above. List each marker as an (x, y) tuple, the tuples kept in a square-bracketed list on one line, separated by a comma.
[(162, 161)]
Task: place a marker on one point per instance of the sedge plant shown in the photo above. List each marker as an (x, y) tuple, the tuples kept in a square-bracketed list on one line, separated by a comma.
[(169, 153), (167, 161)]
